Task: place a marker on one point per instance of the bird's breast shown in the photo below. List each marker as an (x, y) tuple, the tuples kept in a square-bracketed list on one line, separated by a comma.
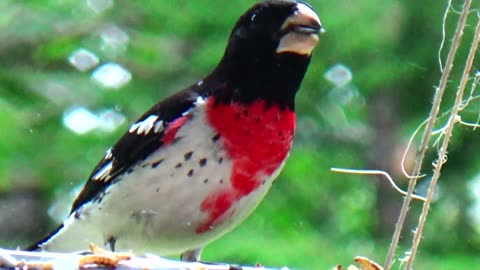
[(257, 138)]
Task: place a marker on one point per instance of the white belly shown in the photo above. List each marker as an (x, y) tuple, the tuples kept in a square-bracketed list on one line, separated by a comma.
[(157, 208)]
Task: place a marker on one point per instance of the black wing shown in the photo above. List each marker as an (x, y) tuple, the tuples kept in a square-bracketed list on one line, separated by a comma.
[(136, 144)]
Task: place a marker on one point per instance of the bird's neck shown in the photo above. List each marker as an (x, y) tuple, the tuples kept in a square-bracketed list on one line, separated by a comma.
[(247, 78)]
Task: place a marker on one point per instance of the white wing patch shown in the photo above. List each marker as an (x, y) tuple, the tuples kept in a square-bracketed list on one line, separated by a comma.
[(108, 154), (146, 126), (158, 127), (104, 172)]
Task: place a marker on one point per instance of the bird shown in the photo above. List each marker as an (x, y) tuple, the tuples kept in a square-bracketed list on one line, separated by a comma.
[(197, 164)]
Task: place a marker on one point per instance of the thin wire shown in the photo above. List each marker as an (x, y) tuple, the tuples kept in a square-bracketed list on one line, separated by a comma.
[(449, 4), (378, 172)]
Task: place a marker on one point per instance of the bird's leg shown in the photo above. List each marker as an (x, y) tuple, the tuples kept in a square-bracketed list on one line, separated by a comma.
[(111, 243), (194, 256)]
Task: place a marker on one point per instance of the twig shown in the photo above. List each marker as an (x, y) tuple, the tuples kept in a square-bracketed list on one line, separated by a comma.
[(442, 155), (426, 136), (378, 172)]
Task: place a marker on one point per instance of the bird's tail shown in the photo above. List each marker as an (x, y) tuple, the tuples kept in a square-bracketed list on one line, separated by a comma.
[(37, 245)]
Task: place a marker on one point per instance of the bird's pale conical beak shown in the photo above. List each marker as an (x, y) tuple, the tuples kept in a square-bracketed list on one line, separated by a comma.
[(300, 31)]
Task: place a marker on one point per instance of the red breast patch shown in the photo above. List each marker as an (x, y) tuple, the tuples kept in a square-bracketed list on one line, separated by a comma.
[(257, 138)]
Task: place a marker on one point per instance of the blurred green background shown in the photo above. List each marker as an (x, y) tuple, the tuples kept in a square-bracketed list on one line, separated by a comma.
[(75, 74)]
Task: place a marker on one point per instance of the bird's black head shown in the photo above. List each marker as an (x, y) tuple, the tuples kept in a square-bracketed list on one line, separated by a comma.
[(268, 52)]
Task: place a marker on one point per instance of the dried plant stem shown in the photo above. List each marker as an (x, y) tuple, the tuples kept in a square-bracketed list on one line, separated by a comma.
[(427, 134), (443, 151)]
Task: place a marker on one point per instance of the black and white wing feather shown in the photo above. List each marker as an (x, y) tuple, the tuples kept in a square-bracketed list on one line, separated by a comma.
[(143, 138)]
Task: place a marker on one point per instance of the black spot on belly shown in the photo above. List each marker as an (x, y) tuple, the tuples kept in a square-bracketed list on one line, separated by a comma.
[(202, 162), (99, 197), (188, 155), (215, 138), (190, 173), (220, 160), (156, 163), (111, 242), (221, 181), (178, 165), (205, 181)]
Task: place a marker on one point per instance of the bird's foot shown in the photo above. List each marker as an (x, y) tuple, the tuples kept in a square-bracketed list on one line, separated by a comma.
[(103, 257)]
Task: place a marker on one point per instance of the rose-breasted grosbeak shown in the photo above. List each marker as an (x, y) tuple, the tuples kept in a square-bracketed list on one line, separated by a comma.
[(196, 164)]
